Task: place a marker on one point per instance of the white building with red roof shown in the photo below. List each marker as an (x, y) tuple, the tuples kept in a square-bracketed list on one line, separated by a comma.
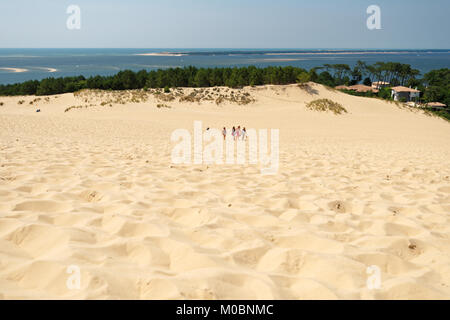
[(403, 93)]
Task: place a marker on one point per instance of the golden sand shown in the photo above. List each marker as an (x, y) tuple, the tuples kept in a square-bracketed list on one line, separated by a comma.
[(95, 188)]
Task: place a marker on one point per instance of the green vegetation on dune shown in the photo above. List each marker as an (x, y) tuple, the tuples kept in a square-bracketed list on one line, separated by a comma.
[(326, 105), (435, 85), (438, 86), (167, 78), (445, 114)]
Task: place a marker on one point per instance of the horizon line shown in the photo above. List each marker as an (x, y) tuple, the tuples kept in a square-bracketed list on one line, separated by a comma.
[(222, 48)]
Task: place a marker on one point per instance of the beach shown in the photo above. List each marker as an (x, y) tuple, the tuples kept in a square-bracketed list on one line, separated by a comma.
[(88, 184)]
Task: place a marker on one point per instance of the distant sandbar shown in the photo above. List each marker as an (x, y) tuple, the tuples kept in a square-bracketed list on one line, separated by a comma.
[(161, 54), (51, 70), (14, 70)]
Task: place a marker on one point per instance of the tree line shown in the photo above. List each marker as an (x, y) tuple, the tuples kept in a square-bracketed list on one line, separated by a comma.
[(434, 85), (173, 77)]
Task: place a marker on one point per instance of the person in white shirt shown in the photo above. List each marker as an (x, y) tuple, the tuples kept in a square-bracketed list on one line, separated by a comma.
[(244, 134)]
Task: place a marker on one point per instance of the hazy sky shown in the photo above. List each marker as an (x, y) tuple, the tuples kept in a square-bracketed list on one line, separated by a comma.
[(225, 24)]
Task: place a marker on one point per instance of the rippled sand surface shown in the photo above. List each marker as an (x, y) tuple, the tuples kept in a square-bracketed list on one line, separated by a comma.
[(95, 188)]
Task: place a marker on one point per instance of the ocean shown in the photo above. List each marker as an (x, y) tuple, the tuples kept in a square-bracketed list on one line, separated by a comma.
[(18, 65)]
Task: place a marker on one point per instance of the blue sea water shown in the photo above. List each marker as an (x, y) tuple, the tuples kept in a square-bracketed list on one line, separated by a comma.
[(38, 64)]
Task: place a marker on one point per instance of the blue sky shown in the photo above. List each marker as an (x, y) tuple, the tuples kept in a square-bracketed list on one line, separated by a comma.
[(225, 24)]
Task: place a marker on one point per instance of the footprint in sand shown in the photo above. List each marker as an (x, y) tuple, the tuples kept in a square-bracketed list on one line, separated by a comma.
[(91, 196), (339, 206)]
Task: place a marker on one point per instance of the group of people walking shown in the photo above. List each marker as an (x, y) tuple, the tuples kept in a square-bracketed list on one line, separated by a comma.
[(236, 133)]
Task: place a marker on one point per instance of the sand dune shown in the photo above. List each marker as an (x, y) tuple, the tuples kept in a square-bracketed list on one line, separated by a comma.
[(94, 187)]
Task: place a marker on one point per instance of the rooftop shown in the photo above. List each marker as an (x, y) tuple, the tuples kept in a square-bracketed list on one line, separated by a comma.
[(357, 88), (404, 89), (435, 104)]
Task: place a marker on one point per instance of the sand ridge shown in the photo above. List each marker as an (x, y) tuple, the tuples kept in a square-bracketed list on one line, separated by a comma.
[(94, 188)]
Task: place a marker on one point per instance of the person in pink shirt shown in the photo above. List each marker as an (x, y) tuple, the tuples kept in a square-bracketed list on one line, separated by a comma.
[(238, 133)]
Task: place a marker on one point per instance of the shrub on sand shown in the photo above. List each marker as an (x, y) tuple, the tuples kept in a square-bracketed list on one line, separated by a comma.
[(220, 100), (303, 79), (164, 97), (190, 98), (326, 105), (73, 107)]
